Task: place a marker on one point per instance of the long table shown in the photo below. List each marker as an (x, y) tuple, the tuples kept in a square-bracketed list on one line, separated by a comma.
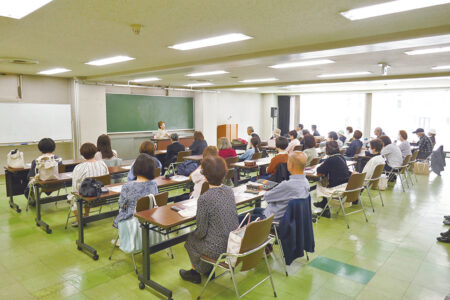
[(110, 197), (198, 158), (262, 162), (161, 144), (166, 218)]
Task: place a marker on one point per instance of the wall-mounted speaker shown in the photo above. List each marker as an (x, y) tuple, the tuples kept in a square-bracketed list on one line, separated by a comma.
[(273, 112)]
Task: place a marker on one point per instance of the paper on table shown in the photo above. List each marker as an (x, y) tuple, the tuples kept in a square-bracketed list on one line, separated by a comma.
[(190, 204), (179, 178), (127, 167), (188, 212), (116, 189)]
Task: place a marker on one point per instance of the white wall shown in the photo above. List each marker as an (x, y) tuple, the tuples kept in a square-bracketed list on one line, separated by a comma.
[(268, 101)]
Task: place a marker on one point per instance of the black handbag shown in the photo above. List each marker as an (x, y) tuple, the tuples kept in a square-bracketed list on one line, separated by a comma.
[(91, 188)]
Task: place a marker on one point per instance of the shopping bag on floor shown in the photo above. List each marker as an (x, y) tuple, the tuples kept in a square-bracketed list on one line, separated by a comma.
[(421, 168), (383, 183), (130, 234), (235, 238)]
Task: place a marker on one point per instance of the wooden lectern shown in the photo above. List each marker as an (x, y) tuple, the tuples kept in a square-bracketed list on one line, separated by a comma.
[(227, 130)]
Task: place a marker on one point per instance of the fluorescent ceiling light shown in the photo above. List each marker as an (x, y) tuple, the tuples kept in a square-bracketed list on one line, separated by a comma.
[(198, 84), (441, 67), (428, 51), (245, 89), (148, 79), (219, 72), (388, 8), (344, 74), (259, 80), (54, 71), (17, 9), (303, 63), (212, 41), (109, 60)]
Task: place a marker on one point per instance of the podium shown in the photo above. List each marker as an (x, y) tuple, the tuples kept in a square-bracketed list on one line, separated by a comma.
[(227, 130)]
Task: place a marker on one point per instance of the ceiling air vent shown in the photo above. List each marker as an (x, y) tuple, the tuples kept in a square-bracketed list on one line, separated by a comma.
[(19, 61)]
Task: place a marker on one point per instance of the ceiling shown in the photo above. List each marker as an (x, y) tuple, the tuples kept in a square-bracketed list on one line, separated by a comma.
[(68, 33)]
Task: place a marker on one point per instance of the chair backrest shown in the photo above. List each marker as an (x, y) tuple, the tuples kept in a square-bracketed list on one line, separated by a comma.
[(162, 198), (298, 148), (314, 161), (405, 164), (61, 168), (113, 162), (414, 156), (376, 175), (105, 179), (143, 204), (355, 184), (255, 234), (229, 176), (263, 144), (257, 155), (231, 160), (182, 154), (157, 172), (205, 187)]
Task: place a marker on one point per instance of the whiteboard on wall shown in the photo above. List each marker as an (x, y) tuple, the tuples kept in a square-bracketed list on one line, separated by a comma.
[(26, 122)]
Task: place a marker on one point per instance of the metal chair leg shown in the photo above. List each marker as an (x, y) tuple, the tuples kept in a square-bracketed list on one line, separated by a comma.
[(68, 217), (283, 262), (234, 279), (379, 192), (370, 197), (343, 211), (270, 275), (114, 247), (364, 211), (209, 278), (134, 262)]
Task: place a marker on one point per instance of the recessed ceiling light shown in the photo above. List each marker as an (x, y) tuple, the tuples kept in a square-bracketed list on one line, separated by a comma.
[(212, 41), (428, 51), (207, 73), (198, 84), (303, 63), (109, 60), (148, 79), (245, 89), (390, 7), (259, 80), (17, 9), (441, 67), (345, 74), (54, 71)]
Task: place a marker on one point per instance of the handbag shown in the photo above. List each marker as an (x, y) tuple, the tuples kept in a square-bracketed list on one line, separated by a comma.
[(235, 239), (421, 168), (15, 159), (383, 183), (47, 167), (91, 188)]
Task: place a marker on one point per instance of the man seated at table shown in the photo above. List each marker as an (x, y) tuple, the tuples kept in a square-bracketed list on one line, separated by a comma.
[(297, 187), (425, 144), (173, 149)]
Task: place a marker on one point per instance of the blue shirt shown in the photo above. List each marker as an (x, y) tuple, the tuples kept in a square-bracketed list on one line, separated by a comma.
[(248, 154), (297, 187), (132, 177)]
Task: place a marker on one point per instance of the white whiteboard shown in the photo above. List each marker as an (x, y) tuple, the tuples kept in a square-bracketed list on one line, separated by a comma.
[(24, 122)]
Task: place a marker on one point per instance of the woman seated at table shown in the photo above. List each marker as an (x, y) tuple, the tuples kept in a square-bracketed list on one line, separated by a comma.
[(104, 150), (355, 146), (147, 147), (197, 177), (144, 185), (404, 145), (162, 133), (336, 171), (216, 218), (391, 153), (199, 143), (293, 141), (225, 149), (90, 168), (309, 147), (332, 136), (375, 148), (254, 148)]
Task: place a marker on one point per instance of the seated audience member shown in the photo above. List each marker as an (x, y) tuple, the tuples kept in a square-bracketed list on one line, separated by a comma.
[(432, 136), (197, 177), (309, 148), (377, 159), (335, 169), (404, 145), (378, 132), (425, 144), (147, 147), (299, 130), (199, 144), (216, 218), (282, 156), (251, 133), (161, 133), (276, 134), (349, 134), (355, 146), (391, 153), (105, 151), (90, 168), (297, 187), (314, 130), (342, 137), (225, 149), (254, 148), (293, 141), (144, 185), (173, 149), (332, 136)]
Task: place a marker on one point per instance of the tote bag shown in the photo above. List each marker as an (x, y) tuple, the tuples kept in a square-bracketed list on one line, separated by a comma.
[(47, 167), (15, 159), (235, 239)]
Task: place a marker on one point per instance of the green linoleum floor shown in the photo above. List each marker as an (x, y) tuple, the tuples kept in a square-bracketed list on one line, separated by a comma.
[(396, 250)]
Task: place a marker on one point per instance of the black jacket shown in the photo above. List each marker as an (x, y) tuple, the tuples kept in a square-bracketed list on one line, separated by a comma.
[(198, 146), (336, 169), (172, 152)]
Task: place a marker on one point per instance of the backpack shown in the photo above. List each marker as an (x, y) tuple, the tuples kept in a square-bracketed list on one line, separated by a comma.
[(187, 167), (15, 159), (91, 188)]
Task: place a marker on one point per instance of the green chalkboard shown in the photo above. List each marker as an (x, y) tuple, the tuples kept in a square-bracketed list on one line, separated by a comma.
[(133, 113)]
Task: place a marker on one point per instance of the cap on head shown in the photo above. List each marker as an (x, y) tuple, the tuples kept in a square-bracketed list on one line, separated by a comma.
[(419, 130), (432, 131)]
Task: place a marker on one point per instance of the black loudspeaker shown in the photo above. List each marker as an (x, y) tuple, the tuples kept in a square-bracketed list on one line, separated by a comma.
[(273, 112)]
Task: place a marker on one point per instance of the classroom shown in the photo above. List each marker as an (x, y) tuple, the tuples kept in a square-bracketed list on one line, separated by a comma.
[(206, 149)]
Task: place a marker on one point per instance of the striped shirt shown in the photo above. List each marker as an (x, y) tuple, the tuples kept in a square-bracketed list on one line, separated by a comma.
[(86, 170)]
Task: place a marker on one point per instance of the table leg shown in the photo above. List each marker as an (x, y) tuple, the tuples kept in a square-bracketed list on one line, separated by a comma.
[(9, 177), (80, 242), (236, 176), (39, 222)]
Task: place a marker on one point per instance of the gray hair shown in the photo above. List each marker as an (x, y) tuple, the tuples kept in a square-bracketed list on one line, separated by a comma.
[(250, 128), (174, 136)]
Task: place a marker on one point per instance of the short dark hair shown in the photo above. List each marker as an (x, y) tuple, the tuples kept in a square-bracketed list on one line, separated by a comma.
[(293, 133), (144, 166), (385, 139), (300, 125), (160, 124), (88, 150), (314, 126), (403, 134), (281, 142), (147, 147), (309, 141), (174, 137), (214, 168), (47, 145), (376, 144), (333, 135), (332, 147), (104, 146), (350, 129), (357, 135), (198, 135), (305, 132)]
